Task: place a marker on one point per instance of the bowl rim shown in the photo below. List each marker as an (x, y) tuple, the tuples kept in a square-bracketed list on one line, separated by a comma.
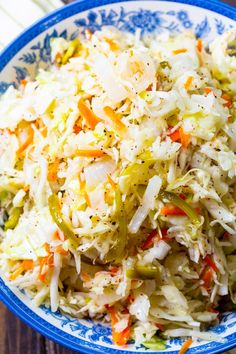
[(10, 299)]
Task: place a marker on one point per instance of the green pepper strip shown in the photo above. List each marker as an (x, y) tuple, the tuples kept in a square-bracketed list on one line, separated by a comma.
[(73, 46), (13, 219), (180, 203), (143, 272), (155, 343), (55, 211), (165, 64), (116, 253), (3, 195)]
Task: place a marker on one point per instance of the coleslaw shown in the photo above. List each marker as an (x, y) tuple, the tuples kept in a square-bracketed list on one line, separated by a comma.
[(117, 183)]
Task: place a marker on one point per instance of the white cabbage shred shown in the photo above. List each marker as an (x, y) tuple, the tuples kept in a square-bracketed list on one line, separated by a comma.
[(117, 183)]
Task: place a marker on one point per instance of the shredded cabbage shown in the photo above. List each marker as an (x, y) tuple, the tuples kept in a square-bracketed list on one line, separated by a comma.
[(117, 183)]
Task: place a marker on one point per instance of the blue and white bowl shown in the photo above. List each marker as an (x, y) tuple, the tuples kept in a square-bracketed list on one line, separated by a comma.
[(31, 50)]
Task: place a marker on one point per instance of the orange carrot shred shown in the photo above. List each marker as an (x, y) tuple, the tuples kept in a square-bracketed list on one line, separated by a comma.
[(114, 118), (207, 278), (211, 263), (28, 264), (179, 51), (91, 119), (119, 338), (171, 210), (90, 153), (160, 327), (56, 236), (148, 243), (23, 82), (188, 83), (59, 249), (52, 171), (29, 139), (227, 98), (199, 45), (111, 43), (207, 90), (175, 136), (186, 346), (184, 138)]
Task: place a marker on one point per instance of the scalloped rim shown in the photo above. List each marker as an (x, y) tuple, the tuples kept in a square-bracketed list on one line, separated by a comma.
[(11, 300)]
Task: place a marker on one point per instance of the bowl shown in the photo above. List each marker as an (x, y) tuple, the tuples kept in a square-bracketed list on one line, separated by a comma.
[(30, 51)]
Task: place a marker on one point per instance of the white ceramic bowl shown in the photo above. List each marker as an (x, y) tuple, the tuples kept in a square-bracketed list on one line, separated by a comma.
[(30, 51)]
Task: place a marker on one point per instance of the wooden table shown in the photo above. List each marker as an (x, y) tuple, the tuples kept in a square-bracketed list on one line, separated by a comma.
[(17, 338)]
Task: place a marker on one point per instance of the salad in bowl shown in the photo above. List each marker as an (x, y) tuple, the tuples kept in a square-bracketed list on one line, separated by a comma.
[(117, 184)]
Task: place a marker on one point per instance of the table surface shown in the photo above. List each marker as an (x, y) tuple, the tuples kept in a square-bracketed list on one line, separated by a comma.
[(17, 338)]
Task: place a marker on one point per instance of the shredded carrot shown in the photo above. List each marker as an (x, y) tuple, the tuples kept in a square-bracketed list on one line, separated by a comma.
[(85, 277), (164, 234), (90, 153), (114, 118), (59, 249), (88, 34), (150, 87), (26, 141), (45, 264), (179, 51), (47, 248), (160, 327), (184, 138), (227, 98), (27, 264), (199, 45), (39, 124), (119, 338), (175, 136), (207, 278), (112, 44), (181, 136), (148, 243), (186, 346), (23, 82), (112, 183), (52, 171), (207, 90), (170, 209), (114, 270), (56, 236), (211, 263), (188, 83), (25, 188), (77, 129), (91, 119)]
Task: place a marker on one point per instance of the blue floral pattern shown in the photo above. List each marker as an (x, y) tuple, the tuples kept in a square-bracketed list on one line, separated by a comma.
[(87, 335), (146, 21)]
